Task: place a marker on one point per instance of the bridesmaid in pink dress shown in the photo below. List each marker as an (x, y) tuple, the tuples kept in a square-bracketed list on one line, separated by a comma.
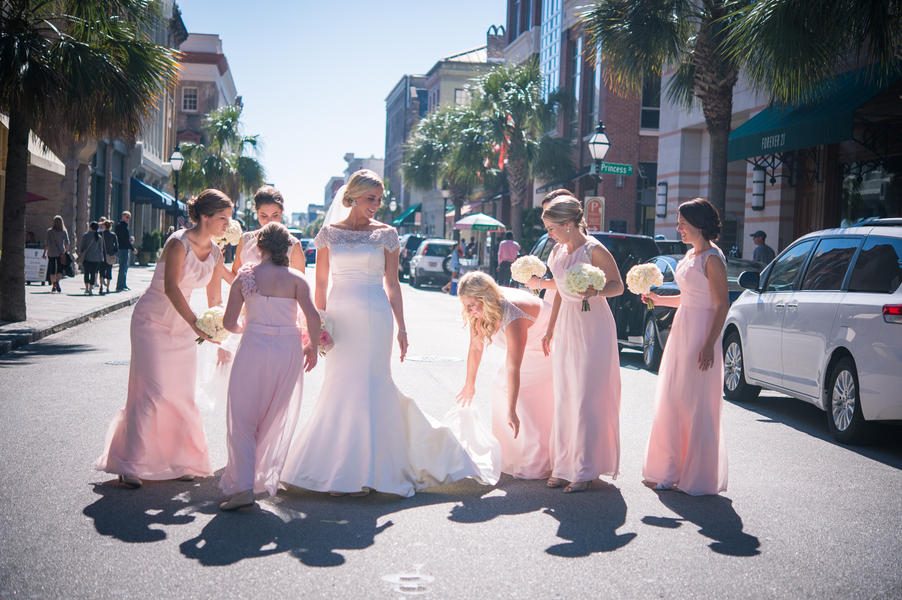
[(522, 393), (686, 448), (160, 434), (268, 372), (586, 438)]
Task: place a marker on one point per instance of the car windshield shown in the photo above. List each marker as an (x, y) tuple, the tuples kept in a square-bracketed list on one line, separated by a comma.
[(442, 250), (413, 243)]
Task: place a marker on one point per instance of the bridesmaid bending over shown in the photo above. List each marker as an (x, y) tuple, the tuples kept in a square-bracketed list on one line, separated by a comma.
[(160, 434), (686, 448), (267, 378), (586, 434), (522, 393)]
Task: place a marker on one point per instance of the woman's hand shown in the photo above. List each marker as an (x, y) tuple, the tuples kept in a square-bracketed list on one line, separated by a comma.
[(202, 336), (590, 292), (223, 357), (650, 297), (402, 343), (706, 358), (310, 357), (465, 397), (546, 342), (513, 422), (534, 283)]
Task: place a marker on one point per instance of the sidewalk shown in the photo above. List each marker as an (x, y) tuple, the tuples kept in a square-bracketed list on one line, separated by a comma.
[(51, 313)]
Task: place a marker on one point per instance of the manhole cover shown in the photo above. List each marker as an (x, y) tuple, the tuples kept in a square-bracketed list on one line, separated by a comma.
[(436, 359), (119, 363)]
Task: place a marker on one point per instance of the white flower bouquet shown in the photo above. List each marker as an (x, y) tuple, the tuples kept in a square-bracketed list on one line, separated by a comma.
[(526, 267), (641, 278), (232, 235), (581, 277), (327, 325), (210, 322)]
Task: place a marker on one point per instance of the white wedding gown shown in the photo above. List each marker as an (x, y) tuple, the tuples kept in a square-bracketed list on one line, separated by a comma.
[(363, 432)]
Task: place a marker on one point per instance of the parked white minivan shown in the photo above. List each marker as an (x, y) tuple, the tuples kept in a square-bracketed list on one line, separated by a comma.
[(823, 323)]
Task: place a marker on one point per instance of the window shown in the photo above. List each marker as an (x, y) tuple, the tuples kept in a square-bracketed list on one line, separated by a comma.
[(784, 272), (666, 269), (189, 99), (830, 263), (651, 106), (461, 97), (618, 225), (550, 46), (591, 95), (576, 72), (878, 269)]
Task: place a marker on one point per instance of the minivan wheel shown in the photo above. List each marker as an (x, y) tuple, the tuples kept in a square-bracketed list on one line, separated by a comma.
[(735, 387), (844, 415), (651, 345)]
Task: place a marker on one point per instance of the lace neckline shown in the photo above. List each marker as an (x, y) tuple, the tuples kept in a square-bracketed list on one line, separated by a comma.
[(510, 312)]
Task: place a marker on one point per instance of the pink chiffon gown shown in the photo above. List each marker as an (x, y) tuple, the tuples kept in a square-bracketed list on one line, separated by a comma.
[(160, 434), (264, 391), (686, 448), (529, 455), (586, 433)]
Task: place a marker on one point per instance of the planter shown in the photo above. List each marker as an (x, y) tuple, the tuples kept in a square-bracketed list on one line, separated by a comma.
[(144, 258)]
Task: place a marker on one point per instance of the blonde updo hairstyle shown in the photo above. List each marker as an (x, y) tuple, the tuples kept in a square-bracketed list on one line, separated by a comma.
[(564, 210), (360, 183), (479, 286), (274, 241), (206, 204)]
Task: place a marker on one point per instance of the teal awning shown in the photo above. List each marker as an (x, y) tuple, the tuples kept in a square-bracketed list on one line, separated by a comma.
[(141, 193), (407, 216), (827, 121)]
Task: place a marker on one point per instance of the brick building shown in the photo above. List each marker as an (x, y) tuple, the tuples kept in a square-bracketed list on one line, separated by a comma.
[(405, 105)]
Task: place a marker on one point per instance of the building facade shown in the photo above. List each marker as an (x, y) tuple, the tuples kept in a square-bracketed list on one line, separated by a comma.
[(405, 105), (205, 84)]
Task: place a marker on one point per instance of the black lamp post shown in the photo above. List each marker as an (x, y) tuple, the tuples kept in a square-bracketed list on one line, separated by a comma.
[(598, 148), (176, 160)]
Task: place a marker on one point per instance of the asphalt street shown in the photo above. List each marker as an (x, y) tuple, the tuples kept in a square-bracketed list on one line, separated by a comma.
[(803, 517)]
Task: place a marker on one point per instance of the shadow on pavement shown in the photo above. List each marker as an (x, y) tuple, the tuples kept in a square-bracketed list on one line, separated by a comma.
[(588, 520), (715, 517), (40, 349)]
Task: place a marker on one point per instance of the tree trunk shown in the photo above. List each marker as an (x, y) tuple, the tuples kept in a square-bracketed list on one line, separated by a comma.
[(12, 265), (717, 186), (457, 196), (517, 184)]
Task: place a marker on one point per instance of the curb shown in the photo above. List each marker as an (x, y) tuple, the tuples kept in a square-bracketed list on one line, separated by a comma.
[(33, 336)]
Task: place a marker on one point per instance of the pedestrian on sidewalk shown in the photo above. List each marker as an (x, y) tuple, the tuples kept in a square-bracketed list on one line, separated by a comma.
[(126, 248), (508, 251), (91, 255), (454, 264), (55, 246), (110, 256)]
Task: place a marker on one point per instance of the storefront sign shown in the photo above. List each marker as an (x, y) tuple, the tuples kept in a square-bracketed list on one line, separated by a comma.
[(35, 266), (595, 213)]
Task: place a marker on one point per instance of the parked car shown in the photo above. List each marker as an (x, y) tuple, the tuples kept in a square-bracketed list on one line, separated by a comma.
[(659, 320), (671, 246), (410, 242), (431, 263), (823, 323)]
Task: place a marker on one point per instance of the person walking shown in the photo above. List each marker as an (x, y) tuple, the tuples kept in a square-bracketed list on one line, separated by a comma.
[(508, 251), (763, 253), (56, 248), (91, 256), (126, 248), (454, 265), (110, 256)]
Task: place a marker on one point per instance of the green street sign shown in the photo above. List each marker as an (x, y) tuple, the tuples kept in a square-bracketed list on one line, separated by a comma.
[(611, 169)]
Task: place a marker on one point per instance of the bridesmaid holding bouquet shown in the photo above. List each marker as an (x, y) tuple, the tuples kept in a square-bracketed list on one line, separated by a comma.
[(586, 363), (686, 449)]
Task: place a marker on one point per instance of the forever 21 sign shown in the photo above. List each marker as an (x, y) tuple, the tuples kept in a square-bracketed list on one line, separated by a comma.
[(773, 141)]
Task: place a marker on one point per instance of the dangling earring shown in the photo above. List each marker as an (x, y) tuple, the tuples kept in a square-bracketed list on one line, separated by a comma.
[(568, 229), (353, 203)]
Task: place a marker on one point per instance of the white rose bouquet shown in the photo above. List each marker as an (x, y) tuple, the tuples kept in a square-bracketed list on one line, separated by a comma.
[(210, 322), (327, 325), (526, 267), (581, 277), (232, 235), (641, 278)]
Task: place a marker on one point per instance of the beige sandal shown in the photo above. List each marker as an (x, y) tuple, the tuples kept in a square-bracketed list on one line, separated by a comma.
[(556, 482)]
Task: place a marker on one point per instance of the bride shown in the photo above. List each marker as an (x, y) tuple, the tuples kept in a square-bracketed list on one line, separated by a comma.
[(364, 434)]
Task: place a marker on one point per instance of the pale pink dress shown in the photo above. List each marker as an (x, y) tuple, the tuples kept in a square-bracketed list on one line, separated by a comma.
[(160, 434), (529, 455), (586, 433), (686, 447), (264, 391)]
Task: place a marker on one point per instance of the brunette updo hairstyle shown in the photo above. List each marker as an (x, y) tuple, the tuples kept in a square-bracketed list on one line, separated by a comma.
[(268, 195), (207, 204), (359, 184), (274, 241), (702, 215), (563, 210)]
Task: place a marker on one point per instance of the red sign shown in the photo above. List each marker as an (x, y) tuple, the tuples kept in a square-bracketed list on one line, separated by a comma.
[(595, 213)]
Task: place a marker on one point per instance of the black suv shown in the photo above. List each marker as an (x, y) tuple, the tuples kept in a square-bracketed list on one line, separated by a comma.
[(628, 250), (409, 244)]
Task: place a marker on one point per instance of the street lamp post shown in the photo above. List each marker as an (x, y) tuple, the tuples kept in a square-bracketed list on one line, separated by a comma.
[(598, 148), (176, 160)]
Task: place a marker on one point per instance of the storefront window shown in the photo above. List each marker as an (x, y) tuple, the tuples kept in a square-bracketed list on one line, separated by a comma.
[(870, 191)]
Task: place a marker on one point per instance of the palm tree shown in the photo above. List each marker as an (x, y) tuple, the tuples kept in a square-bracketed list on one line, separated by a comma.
[(789, 47), (639, 38), (448, 148), (223, 162), (520, 123), (70, 68)]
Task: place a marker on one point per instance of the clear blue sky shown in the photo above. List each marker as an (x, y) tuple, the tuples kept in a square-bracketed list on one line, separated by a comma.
[(314, 75)]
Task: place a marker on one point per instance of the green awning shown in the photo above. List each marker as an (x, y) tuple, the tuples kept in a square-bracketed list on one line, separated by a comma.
[(141, 193), (407, 217), (828, 121)]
